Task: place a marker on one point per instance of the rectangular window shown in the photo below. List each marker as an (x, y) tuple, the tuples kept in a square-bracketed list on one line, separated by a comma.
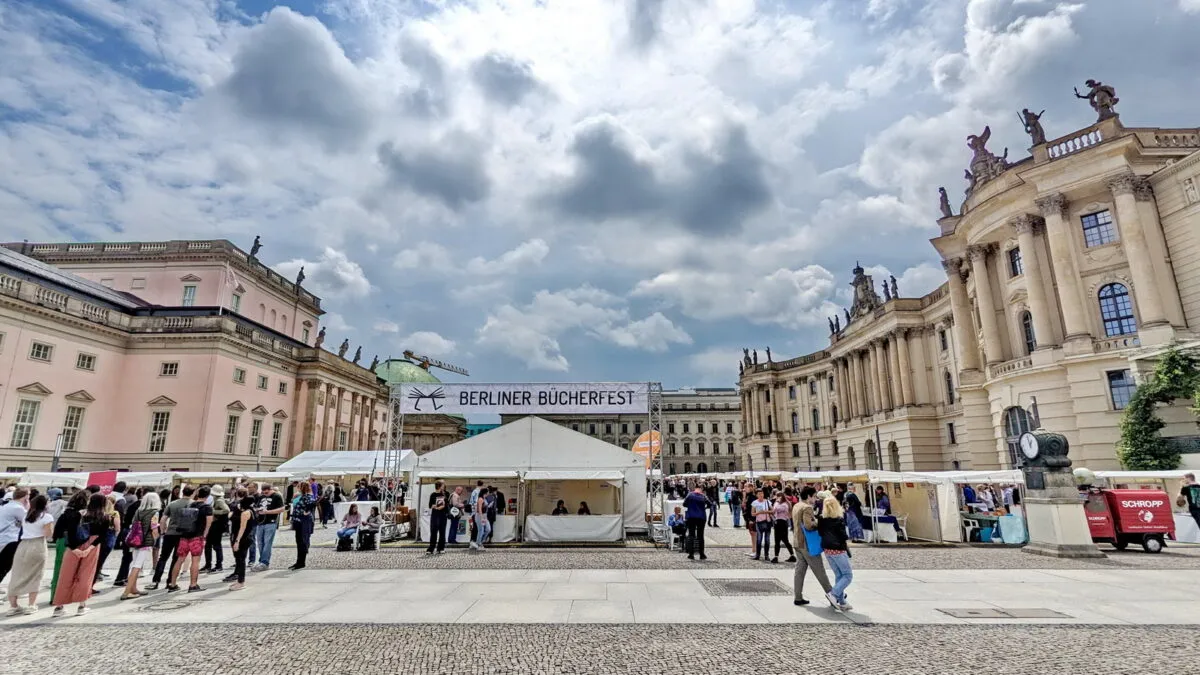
[(812, 387), (791, 392), (1015, 267), (262, 382), (159, 421), (231, 428), (71, 427), (700, 448), (729, 427), (687, 448), (27, 414), (951, 433), (637, 428), (766, 452), (40, 351), (239, 375), (671, 428), (304, 336), (624, 427), (942, 340), (282, 387), (592, 429), (255, 435), (189, 296), (729, 448), (236, 303), (343, 439), (574, 427), (85, 361), (276, 438), (168, 369), (1120, 388), (767, 395), (1, 343), (137, 283), (107, 282), (835, 446), (816, 448), (607, 429), (686, 427), (795, 449), (715, 428), (1098, 229), (672, 448)]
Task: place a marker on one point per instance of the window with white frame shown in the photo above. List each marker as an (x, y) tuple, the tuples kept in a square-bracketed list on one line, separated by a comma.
[(231, 429), (1116, 310), (1120, 388), (168, 369), (276, 438), (72, 426), (1098, 229), (951, 433), (85, 361), (160, 420), (262, 382), (189, 296), (282, 387), (343, 439), (23, 425), (236, 303), (239, 375), (1015, 266), (255, 434), (943, 342), (1027, 332), (40, 351)]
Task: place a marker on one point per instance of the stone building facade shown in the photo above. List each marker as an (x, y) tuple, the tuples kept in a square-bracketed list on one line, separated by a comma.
[(184, 355), (701, 429), (1068, 272)]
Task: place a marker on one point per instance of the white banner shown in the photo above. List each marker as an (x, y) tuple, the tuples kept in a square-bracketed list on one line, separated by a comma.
[(586, 398)]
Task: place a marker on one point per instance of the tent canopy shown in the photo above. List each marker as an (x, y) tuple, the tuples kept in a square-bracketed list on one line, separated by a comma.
[(78, 480), (433, 474), (146, 478), (574, 475), (345, 462)]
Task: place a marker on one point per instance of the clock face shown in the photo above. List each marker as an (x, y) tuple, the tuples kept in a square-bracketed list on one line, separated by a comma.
[(1029, 445)]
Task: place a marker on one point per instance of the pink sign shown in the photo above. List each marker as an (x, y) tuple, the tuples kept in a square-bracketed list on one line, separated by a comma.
[(105, 479)]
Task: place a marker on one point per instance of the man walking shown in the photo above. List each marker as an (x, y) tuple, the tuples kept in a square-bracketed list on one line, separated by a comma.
[(12, 514), (805, 519), (270, 505), (194, 522), (439, 507), (714, 501), (168, 551), (696, 505), (734, 497)]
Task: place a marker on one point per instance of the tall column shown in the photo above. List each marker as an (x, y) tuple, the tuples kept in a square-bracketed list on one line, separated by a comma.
[(1062, 258), (894, 356), (906, 384), (1147, 205), (337, 414), (1035, 281), (371, 425), (326, 434), (964, 334), (987, 304), (879, 381), (855, 389), (864, 387), (352, 431), (843, 399), (1137, 251), (308, 440)]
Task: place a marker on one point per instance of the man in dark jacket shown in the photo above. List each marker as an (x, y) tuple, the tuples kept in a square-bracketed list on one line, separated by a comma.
[(696, 505), (714, 501)]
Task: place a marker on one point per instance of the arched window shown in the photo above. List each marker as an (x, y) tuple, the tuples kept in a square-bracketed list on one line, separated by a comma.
[(671, 469), (816, 419), (894, 455), (1027, 332), (869, 450), (833, 414), (851, 458), (273, 324), (795, 423), (701, 468), (1016, 422), (732, 466), (687, 467), (770, 424), (1116, 310), (949, 380)]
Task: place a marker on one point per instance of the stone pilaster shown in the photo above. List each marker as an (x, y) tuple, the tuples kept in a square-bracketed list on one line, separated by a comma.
[(979, 255), (964, 336), (1137, 251), (1035, 281), (1062, 257)]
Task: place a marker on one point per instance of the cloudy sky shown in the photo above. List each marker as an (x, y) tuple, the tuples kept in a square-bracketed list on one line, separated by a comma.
[(556, 189)]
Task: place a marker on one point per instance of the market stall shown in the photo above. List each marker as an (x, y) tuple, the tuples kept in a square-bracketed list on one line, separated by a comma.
[(545, 453), (599, 490), (345, 464), (913, 500), (504, 529), (963, 520)]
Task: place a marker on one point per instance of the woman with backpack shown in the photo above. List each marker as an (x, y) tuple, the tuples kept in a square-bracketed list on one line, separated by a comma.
[(78, 571), (143, 533), (241, 536), (220, 525), (301, 517)]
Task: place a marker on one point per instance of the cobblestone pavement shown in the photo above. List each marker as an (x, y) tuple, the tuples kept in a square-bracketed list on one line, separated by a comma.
[(865, 557), (600, 649)]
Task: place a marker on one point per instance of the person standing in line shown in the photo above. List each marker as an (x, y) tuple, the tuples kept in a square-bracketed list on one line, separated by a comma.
[(735, 505), (302, 516), (270, 505), (439, 511), (109, 541), (169, 543), (30, 559), (79, 564), (483, 526), (781, 513), (133, 503), (12, 517), (195, 520), (143, 534), (241, 535), (70, 520), (696, 505), (470, 507), (457, 504), (57, 503), (804, 520), (748, 518), (832, 526), (761, 509), (854, 515), (714, 501), (213, 541)]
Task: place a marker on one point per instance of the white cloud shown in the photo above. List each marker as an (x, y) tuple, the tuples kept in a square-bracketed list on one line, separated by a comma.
[(790, 298), (715, 366), (528, 254), (655, 333), (385, 326), (335, 322), (428, 343), (332, 275)]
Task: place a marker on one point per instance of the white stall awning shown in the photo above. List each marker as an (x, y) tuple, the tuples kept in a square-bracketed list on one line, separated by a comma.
[(563, 474), (346, 462), (76, 480), (467, 473), (146, 478)]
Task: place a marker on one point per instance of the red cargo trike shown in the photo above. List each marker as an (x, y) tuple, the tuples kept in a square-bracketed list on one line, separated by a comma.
[(1124, 517)]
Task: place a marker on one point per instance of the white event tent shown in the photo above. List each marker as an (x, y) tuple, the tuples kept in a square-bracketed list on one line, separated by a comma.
[(535, 463), (326, 463)]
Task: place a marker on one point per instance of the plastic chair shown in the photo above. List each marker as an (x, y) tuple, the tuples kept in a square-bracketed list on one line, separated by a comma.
[(902, 526), (970, 526)]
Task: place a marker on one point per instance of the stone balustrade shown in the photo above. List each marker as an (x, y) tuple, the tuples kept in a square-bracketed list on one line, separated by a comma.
[(1117, 343), (1071, 144), (1010, 367)]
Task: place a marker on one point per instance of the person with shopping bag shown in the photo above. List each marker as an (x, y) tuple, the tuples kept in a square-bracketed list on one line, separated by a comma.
[(808, 546)]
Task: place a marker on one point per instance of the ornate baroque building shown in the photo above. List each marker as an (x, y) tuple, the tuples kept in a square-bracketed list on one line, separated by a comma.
[(185, 355), (1068, 271), (701, 429)]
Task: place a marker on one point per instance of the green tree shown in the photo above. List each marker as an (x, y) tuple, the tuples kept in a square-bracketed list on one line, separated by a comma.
[(1176, 376)]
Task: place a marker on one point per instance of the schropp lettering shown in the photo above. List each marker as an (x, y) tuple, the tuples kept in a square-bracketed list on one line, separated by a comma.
[(1142, 504)]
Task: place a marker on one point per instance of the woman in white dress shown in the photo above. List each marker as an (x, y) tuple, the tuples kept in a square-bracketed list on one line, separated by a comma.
[(30, 559)]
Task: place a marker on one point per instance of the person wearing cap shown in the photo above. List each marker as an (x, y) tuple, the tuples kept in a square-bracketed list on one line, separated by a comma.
[(57, 503), (215, 533)]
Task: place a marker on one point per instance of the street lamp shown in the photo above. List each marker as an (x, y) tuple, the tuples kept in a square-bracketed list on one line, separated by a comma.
[(58, 448)]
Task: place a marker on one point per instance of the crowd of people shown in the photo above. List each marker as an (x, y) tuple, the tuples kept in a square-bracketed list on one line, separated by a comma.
[(448, 509)]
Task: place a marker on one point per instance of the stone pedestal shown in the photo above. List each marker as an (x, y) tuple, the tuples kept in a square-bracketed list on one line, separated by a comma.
[(1057, 524)]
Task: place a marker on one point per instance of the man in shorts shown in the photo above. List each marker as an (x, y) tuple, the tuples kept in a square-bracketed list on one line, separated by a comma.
[(195, 520)]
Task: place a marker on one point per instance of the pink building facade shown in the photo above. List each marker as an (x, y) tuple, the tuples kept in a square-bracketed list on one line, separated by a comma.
[(183, 355)]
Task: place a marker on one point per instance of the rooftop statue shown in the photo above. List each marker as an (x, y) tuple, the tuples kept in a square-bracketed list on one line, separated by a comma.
[(1101, 97), (1033, 126), (944, 203), (984, 165), (320, 338), (256, 247), (345, 346)]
